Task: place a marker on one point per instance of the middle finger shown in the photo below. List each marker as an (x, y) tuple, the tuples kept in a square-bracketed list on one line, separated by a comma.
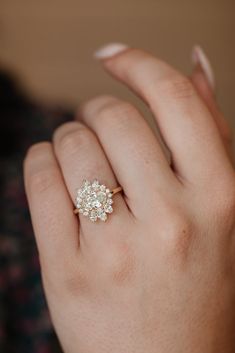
[(132, 148), (185, 122)]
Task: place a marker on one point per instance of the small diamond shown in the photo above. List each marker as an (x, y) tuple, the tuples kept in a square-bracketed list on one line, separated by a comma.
[(86, 183), (108, 209), (88, 189), (93, 216), (95, 185), (80, 193), (88, 207), (101, 196), (96, 204), (103, 217)]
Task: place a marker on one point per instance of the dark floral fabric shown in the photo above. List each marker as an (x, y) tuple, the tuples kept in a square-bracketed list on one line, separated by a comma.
[(25, 325)]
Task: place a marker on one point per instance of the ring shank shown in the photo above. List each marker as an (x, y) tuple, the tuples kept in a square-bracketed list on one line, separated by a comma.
[(116, 190)]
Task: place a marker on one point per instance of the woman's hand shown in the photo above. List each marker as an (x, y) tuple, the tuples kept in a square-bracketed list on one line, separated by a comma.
[(158, 276)]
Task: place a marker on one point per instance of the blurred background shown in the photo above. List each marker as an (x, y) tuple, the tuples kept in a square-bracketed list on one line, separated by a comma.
[(49, 44), (48, 47)]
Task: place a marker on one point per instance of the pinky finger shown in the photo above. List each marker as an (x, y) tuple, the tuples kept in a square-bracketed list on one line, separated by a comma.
[(55, 226)]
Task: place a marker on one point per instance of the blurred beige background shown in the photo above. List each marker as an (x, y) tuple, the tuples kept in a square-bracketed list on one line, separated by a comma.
[(49, 43)]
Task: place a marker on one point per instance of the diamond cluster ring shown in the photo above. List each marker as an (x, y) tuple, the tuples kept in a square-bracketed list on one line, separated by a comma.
[(95, 200)]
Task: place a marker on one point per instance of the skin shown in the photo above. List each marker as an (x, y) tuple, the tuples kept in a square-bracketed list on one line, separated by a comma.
[(158, 276)]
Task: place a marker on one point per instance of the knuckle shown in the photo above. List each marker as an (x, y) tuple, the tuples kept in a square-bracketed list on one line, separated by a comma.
[(177, 86), (39, 178), (110, 111), (37, 150), (68, 279), (71, 142), (178, 233), (122, 264), (116, 109), (117, 114), (94, 106), (65, 128)]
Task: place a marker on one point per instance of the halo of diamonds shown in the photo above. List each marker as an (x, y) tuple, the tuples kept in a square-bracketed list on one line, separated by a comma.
[(94, 200)]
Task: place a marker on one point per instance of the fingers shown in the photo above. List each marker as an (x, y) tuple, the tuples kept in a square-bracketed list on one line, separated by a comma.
[(134, 152), (81, 157), (207, 94), (184, 120), (55, 226)]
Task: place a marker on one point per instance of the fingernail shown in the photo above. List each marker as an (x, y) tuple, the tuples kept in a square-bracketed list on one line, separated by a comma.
[(110, 50), (199, 57)]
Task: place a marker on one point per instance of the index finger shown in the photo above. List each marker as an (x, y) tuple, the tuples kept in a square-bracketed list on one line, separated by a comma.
[(185, 122)]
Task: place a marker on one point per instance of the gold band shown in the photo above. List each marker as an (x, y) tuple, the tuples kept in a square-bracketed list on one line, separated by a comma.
[(116, 190)]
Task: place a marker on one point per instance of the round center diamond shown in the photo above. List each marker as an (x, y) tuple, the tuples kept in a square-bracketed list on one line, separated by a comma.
[(102, 196), (94, 200)]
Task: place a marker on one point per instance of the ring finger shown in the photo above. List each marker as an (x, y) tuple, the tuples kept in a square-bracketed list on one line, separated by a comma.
[(81, 157)]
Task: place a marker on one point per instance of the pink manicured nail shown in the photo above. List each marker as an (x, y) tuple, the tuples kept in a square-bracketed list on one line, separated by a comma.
[(199, 57), (110, 50)]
